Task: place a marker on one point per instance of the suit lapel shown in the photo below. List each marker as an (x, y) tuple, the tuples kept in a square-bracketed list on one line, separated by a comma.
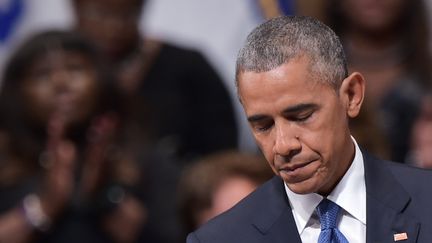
[(386, 203), (276, 223)]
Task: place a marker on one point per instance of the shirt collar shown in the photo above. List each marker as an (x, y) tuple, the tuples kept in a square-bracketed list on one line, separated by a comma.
[(349, 194)]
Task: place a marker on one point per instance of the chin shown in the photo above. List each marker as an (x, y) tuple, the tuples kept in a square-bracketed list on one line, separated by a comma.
[(302, 187)]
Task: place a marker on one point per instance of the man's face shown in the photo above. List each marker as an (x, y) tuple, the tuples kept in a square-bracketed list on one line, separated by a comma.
[(111, 24), (300, 124), (372, 15)]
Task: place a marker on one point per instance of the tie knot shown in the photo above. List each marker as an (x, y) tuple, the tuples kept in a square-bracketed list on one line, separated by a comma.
[(328, 213)]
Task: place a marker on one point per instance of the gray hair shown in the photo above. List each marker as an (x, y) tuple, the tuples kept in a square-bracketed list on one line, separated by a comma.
[(279, 40)]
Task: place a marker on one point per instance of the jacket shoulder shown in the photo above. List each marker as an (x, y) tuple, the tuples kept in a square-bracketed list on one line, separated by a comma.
[(415, 181)]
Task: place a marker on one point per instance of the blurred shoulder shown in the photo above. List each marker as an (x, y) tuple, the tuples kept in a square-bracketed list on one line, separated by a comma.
[(411, 177), (170, 49)]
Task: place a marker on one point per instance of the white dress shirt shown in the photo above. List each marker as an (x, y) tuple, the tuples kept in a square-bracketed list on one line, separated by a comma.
[(349, 194)]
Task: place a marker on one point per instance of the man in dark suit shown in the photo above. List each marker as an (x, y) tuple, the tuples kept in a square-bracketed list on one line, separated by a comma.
[(298, 98)]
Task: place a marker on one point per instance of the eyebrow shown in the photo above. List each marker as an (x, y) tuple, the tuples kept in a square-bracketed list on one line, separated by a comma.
[(299, 108), (290, 110), (256, 118)]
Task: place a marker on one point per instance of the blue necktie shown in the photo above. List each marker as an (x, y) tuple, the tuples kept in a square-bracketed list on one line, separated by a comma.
[(328, 214)]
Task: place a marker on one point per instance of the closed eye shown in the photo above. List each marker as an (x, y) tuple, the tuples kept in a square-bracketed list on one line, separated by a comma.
[(260, 123), (302, 117), (262, 127), (300, 113)]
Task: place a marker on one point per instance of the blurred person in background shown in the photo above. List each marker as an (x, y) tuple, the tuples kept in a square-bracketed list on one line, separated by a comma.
[(387, 41), (421, 138), (175, 91), (71, 169), (217, 182)]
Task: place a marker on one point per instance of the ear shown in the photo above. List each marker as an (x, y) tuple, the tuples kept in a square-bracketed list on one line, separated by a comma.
[(351, 93)]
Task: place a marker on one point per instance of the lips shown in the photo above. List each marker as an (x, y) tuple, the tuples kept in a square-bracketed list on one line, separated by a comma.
[(292, 166), (66, 102), (297, 172)]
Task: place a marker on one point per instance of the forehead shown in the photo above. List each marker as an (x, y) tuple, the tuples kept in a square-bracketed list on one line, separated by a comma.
[(295, 73), (55, 57), (114, 5), (289, 84)]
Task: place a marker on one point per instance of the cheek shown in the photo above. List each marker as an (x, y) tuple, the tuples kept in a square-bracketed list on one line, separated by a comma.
[(38, 102), (267, 150), (87, 95), (269, 155), (86, 88), (263, 145)]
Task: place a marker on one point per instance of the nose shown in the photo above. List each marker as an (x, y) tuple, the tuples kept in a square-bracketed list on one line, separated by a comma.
[(286, 143), (61, 79)]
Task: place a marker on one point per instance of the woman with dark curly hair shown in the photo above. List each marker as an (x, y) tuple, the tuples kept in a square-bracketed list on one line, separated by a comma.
[(72, 170)]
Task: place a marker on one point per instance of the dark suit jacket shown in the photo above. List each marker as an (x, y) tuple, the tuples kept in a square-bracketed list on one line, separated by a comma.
[(399, 199)]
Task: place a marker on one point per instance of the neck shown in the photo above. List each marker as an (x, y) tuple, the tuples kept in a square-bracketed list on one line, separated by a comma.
[(371, 40)]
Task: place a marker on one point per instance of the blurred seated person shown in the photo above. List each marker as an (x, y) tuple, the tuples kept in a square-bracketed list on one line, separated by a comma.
[(388, 42), (367, 129), (217, 182), (421, 138), (70, 171), (186, 104)]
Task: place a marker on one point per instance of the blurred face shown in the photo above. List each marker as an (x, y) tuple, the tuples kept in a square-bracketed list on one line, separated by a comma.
[(227, 194), (300, 124), (373, 15), (111, 24), (421, 139), (61, 83)]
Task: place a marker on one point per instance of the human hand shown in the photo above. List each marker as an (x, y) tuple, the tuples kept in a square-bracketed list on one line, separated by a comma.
[(100, 138), (59, 162)]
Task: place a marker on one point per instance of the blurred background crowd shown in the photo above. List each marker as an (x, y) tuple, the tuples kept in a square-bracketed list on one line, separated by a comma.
[(119, 120)]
